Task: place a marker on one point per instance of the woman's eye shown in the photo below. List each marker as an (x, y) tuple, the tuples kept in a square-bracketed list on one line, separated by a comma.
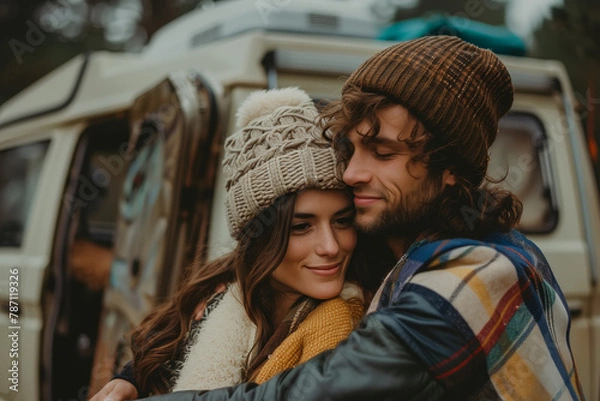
[(345, 221), (300, 227)]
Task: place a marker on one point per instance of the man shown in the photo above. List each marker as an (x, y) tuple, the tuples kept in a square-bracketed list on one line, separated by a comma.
[(471, 310)]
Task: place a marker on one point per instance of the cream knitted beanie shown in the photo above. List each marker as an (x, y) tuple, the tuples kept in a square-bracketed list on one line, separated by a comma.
[(278, 149)]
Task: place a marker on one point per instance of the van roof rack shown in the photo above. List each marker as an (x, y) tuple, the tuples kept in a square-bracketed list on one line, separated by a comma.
[(346, 18)]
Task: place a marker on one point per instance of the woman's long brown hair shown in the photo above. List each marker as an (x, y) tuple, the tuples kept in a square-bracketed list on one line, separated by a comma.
[(260, 250), (258, 253)]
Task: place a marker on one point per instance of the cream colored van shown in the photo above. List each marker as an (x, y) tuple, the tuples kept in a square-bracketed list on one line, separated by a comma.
[(110, 180)]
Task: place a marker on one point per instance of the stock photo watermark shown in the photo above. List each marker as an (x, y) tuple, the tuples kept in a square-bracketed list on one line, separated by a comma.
[(35, 33), (14, 329)]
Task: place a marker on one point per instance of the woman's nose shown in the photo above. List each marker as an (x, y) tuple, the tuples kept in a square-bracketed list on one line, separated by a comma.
[(327, 243)]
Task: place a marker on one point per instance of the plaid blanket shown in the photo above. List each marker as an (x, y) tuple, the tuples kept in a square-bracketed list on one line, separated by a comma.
[(502, 298)]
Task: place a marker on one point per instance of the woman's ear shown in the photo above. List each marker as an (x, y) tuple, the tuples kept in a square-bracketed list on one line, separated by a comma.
[(448, 178)]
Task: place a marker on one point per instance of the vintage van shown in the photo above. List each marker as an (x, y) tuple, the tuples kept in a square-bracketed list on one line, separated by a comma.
[(110, 179)]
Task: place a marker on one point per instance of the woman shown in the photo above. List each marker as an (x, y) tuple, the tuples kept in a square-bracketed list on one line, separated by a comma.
[(277, 299)]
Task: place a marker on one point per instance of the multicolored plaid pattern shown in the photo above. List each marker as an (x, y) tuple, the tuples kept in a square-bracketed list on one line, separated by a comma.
[(502, 297)]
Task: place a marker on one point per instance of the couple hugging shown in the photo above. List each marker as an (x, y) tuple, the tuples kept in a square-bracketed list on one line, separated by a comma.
[(356, 274)]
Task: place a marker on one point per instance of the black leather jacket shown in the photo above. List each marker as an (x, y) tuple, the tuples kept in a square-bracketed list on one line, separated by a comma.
[(372, 364)]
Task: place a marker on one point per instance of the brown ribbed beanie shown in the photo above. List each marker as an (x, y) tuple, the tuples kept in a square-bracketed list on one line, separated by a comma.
[(278, 149), (457, 90)]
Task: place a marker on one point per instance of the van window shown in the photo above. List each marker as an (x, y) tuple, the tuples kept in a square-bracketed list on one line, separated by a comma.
[(20, 169), (520, 155)]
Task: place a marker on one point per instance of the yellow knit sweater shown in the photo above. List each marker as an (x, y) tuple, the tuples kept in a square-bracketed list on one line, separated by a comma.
[(327, 325)]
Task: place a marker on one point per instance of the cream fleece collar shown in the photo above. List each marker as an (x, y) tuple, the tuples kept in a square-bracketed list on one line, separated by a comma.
[(218, 357)]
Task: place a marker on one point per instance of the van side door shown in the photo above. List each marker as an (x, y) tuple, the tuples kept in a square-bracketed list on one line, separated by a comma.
[(163, 208)]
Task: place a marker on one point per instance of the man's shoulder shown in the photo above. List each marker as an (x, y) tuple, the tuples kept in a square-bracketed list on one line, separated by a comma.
[(506, 251), (469, 265), (477, 267), (450, 269), (467, 255)]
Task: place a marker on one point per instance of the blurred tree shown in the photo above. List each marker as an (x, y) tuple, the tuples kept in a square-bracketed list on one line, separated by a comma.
[(488, 11), (13, 17), (40, 35), (572, 35)]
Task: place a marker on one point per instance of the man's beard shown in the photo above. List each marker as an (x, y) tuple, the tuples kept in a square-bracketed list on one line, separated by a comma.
[(412, 215)]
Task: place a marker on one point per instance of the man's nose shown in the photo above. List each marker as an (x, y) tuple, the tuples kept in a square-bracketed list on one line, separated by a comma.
[(355, 173)]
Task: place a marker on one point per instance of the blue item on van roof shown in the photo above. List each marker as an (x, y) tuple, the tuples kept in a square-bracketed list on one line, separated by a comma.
[(498, 39)]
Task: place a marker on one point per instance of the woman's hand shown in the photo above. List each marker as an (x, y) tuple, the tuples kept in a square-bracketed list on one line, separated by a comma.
[(116, 390)]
